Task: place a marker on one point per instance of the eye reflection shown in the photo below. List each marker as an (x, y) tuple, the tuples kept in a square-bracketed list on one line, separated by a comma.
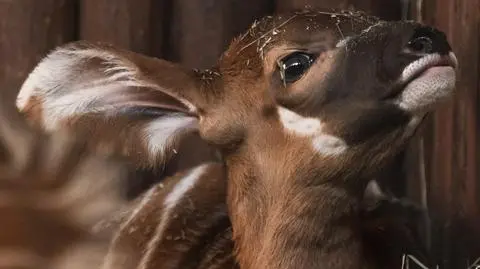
[(293, 66)]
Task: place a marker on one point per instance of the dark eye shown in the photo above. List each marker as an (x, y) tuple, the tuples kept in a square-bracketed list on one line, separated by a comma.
[(421, 44), (293, 66)]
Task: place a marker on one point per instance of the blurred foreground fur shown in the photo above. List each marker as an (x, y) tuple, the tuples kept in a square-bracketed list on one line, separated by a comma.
[(52, 191)]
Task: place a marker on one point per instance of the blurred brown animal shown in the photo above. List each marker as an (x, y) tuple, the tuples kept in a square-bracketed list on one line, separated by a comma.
[(52, 191)]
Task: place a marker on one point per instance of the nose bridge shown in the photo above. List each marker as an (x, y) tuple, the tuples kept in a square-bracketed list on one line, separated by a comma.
[(439, 39)]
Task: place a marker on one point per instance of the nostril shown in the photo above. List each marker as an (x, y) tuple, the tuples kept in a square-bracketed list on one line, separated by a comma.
[(421, 44), (426, 40)]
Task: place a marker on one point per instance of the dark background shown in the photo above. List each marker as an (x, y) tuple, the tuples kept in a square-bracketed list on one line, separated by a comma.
[(440, 169)]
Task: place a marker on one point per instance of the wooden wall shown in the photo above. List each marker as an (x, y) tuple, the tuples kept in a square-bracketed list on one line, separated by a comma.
[(193, 32), (451, 141), (440, 166)]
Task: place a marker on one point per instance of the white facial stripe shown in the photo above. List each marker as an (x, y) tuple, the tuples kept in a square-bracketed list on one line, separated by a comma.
[(298, 124), (161, 133), (323, 143), (172, 199)]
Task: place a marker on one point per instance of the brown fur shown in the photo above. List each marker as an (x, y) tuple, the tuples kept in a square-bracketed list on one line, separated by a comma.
[(176, 237)]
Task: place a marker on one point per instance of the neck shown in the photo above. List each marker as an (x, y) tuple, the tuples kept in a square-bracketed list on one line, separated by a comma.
[(300, 227), (293, 208)]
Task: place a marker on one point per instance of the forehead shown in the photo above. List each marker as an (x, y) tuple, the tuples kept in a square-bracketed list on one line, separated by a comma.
[(309, 27)]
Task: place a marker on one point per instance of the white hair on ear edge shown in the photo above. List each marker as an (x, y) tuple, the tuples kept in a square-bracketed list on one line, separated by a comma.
[(77, 79), (161, 133)]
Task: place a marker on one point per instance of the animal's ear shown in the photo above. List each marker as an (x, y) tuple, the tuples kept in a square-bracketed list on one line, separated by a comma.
[(136, 104)]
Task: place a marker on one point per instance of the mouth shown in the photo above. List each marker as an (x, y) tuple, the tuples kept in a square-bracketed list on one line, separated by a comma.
[(424, 64), (426, 82)]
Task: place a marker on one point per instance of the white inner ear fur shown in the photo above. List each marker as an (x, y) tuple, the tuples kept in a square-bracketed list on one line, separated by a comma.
[(323, 143), (63, 68), (67, 87), (161, 133), (430, 87)]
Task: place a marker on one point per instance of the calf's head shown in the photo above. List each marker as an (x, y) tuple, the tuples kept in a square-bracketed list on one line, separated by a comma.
[(322, 97), (341, 81)]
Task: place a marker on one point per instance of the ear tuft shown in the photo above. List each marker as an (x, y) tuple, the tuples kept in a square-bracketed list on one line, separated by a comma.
[(160, 134)]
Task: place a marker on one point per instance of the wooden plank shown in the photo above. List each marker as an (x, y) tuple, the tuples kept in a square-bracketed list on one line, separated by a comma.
[(283, 5), (464, 30), (28, 30), (198, 33), (202, 29), (244, 12), (386, 9), (454, 180), (132, 24), (465, 43)]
